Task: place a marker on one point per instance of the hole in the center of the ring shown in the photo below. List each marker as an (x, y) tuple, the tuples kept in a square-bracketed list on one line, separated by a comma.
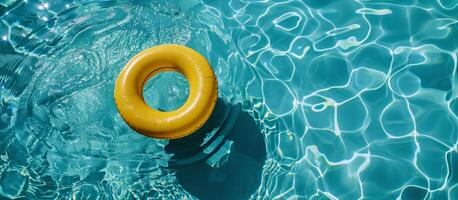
[(166, 91)]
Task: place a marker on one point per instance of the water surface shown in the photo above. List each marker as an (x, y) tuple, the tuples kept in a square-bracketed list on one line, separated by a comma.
[(352, 99)]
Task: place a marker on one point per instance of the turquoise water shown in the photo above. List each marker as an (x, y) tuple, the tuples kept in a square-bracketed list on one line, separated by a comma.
[(351, 99)]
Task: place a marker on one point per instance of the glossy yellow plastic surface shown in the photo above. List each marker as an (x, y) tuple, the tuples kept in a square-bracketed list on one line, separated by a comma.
[(203, 92)]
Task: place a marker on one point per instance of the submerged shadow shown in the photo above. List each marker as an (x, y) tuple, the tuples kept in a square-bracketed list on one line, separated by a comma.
[(239, 175)]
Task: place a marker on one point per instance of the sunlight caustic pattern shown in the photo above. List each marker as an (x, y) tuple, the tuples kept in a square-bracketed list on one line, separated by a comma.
[(356, 99)]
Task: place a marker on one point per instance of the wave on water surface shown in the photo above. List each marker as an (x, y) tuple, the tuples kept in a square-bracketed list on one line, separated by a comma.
[(353, 99)]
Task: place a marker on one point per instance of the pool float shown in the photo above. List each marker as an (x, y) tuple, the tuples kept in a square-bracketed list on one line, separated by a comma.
[(128, 92)]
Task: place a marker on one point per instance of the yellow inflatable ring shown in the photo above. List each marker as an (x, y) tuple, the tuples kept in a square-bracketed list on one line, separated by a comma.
[(128, 92)]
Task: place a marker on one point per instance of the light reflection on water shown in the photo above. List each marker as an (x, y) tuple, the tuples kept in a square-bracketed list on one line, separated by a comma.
[(354, 99)]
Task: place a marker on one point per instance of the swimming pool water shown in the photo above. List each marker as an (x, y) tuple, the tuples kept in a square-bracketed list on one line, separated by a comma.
[(352, 99)]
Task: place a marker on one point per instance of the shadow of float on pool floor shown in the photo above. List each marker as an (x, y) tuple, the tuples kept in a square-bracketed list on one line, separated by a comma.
[(240, 176)]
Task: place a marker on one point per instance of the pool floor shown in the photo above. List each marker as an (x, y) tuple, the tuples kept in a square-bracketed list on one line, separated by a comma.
[(341, 99)]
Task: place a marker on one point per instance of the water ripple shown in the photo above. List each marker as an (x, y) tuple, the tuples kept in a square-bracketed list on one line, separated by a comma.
[(355, 99)]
